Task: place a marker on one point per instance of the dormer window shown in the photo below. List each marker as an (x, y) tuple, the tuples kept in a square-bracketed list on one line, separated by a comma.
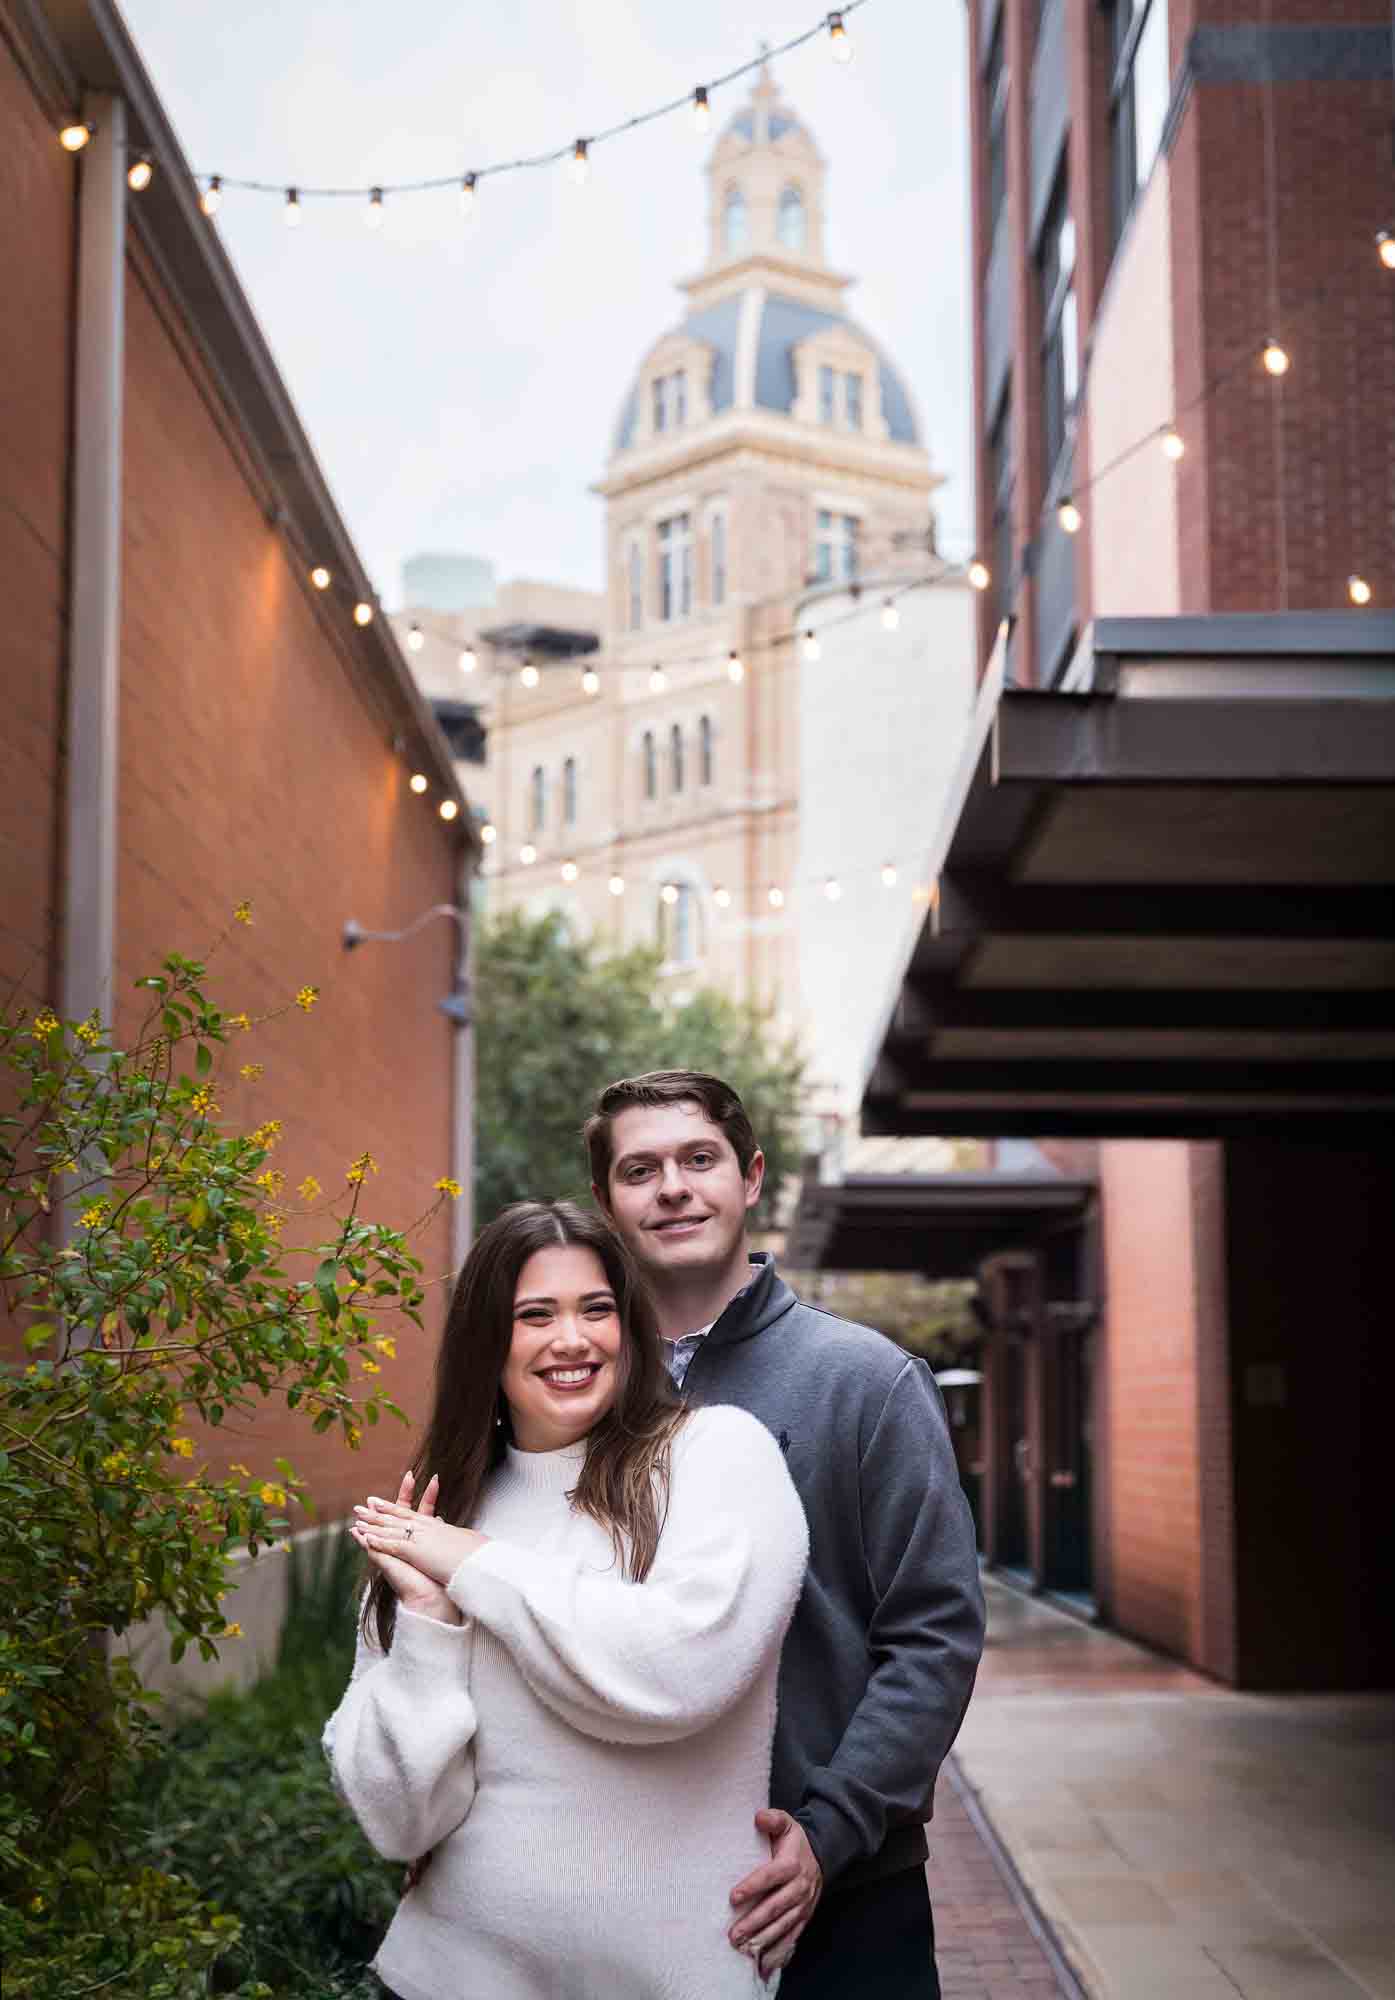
[(671, 401), (790, 221), (852, 401), (736, 222)]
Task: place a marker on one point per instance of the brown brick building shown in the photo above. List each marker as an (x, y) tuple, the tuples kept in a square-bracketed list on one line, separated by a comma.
[(188, 721), (1163, 941)]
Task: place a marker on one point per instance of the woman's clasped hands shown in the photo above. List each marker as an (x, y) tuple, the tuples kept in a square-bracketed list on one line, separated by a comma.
[(417, 1553)]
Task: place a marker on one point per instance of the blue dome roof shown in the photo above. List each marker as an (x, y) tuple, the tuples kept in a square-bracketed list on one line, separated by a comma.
[(784, 323)]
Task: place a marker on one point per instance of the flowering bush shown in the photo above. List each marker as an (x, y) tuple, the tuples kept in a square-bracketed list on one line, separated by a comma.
[(142, 1263)]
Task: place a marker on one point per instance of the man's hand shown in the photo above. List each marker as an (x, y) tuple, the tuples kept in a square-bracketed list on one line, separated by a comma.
[(776, 1900)]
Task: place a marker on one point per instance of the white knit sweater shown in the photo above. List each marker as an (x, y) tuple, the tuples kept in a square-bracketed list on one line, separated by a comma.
[(584, 1754)]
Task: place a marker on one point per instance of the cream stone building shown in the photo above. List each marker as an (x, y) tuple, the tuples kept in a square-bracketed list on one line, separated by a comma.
[(767, 476)]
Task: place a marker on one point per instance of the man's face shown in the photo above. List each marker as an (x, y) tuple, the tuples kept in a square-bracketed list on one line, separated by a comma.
[(677, 1194)]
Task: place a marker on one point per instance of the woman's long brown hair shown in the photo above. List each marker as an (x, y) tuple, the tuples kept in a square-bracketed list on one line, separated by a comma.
[(624, 1478)]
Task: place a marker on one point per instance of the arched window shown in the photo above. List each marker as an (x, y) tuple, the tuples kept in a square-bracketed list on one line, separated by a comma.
[(675, 757), (705, 764), (537, 799), (790, 222), (678, 923), (569, 792), (651, 766), (634, 568), (736, 222)]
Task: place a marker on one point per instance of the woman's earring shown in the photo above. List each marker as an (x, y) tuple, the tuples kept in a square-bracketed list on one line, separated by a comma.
[(499, 1421)]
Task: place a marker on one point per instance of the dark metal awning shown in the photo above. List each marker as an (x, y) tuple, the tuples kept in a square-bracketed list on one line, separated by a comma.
[(942, 1225), (1165, 895), (545, 642)]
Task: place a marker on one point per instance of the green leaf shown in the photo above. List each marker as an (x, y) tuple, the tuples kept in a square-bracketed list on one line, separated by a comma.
[(203, 1061), (39, 1336)]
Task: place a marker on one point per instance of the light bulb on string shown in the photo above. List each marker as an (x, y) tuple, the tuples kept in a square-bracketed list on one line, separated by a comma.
[(811, 646), (448, 808), (888, 874), (363, 613), (839, 39), (1358, 590), (527, 854), (570, 871), (921, 894), (702, 110), (140, 174), (373, 214), (466, 660), (211, 200), (979, 574), (1385, 249), (489, 833), (72, 138), (529, 674), (833, 889), (736, 668), (1068, 514), (293, 214), (891, 617), (590, 681), (416, 638), (1173, 446), (418, 782), (775, 897), (467, 194), (616, 885), (658, 681), (581, 161), (669, 893), (320, 577), (722, 897), (1275, 358)]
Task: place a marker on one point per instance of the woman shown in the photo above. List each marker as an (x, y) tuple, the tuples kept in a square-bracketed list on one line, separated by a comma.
[(565, 1684)]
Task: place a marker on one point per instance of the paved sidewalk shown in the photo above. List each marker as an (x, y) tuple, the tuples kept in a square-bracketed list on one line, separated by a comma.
[(984, 1946), (1184, 1842)]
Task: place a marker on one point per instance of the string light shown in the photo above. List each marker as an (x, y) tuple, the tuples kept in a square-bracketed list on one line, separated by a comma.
[(775, 898), (581, 160), (833, 889), (736, 668), (839, 39), (1068, 514), (1275, 358), (811, 646), (722, 897), (529, 674), (1385, 249), (416, 639), (1358, 590), (448, 808), (888, 874), (211, 199), (418, 781), (320, 577), (616, 885), (921, 894), (570, 871), (74, 137), (294, 214), (590, 681), (467, 661), (979, 575), (702, 110), (669, 892), (891, 617), (467, 194), (489, 833), (140, 174), (373, 214), (527, 854), (1170, 438), (658, 681), (363, 613)]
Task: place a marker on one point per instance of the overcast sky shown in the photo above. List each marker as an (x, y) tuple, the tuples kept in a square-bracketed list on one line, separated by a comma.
[(460, 383)]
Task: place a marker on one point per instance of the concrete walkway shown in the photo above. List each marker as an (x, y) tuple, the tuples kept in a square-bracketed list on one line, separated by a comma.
[(1182, 1842)]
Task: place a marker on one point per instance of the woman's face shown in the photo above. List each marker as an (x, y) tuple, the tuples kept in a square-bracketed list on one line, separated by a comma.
[(562, 1372)]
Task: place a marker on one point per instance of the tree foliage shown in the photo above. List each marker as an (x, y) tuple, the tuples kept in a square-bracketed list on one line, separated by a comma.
[(557, 1020), (168, 1305)]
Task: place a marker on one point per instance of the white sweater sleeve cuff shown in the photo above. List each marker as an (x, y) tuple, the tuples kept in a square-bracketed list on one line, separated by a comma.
[(422, 1647)]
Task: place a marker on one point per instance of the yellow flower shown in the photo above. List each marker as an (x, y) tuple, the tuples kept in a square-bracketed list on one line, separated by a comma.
[(272, 1179), (309, 1189), (201, 1103), (363, 1165), (354, 1437), (250, 1072), (36, 1903), (116, 1462), (307, 997), (447, 1185), (45, 1021), (274, 1496), (235, 1467), (94, 1215), (243, 914), (267, 1135), (184, 1446), (274, 1221), (371, 1368), (387, 1345), (89, 1032), (242, 1021), (233, 1631)]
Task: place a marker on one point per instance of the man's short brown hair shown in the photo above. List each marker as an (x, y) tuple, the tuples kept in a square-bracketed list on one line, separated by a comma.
[(717, 1101)]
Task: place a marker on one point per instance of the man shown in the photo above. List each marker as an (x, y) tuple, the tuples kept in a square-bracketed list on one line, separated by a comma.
[(880, 1660)]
